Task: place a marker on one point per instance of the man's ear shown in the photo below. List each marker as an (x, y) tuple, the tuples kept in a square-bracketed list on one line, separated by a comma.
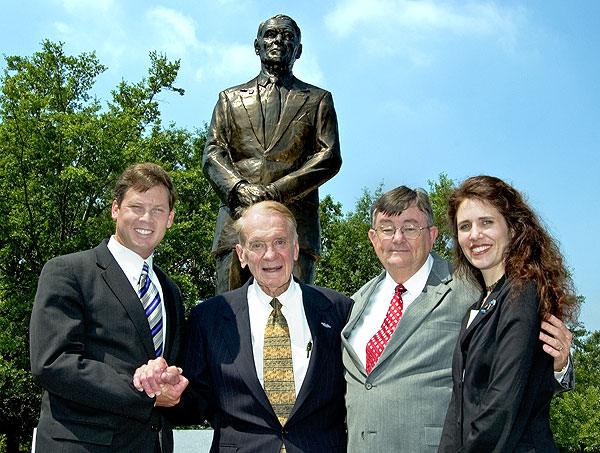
[(114, 211), (256, 48), (240, 253), (298, 52)]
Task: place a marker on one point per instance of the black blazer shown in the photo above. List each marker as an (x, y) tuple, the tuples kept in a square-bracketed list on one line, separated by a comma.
[(503, 380), (224, 388), (88, 334)]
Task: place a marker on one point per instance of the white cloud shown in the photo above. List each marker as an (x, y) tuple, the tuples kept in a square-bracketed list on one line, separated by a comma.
[(175, 32), (386, 27), (225, 61)]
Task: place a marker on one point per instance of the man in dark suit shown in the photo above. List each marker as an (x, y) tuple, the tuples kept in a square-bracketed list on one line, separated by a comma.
[(272, 138), (257, 398), (100, 314)]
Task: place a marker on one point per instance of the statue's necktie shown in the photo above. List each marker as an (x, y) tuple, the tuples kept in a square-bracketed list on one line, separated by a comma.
[(272, 110), (153, 307), (277, 365), (378, 342)]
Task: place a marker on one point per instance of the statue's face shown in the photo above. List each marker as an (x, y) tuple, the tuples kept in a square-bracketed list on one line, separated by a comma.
[(278, 43)]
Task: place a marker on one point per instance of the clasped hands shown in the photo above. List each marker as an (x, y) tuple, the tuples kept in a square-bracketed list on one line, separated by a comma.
[(157, 378), (248, 193)]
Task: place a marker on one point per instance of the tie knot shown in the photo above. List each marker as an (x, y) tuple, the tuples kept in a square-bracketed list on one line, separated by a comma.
[(145, 269), (400, 289), (276, 304)]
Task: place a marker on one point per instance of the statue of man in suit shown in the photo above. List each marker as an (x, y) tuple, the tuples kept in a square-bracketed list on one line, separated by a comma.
[(272, 138)]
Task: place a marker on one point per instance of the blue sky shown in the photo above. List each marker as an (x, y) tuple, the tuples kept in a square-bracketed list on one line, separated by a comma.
[(508, 88)]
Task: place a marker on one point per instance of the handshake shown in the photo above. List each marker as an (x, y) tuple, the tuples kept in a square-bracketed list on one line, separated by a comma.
[(157, 378)]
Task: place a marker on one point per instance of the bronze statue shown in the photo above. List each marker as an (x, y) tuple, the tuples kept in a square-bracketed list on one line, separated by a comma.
[(272, 138)]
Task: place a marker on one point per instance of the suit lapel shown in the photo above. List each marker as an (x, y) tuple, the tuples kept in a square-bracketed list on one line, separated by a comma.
[(322, 327), (237, 320), (172, 310), (116, 280), (489, 307), (292, 105), (251, 102), (433, 293), (361, 300)]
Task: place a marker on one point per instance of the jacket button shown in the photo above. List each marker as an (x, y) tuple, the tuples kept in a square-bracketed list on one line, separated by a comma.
[(284, 431), (368, 386), (155, 428)]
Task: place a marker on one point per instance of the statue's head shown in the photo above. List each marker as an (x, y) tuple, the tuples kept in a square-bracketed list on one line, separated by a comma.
[(277, 42)]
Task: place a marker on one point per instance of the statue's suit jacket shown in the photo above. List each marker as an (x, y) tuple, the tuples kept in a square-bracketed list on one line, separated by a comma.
[(225, 389), (88, 335), (401, 405), (303, 154)]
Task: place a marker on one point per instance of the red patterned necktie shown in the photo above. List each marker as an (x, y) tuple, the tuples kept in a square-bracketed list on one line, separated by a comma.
[(377, 343)]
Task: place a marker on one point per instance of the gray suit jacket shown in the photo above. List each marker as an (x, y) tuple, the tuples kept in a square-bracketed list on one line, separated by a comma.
[(401, 405)]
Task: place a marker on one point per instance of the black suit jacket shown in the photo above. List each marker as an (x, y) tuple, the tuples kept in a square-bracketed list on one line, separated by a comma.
[(503, 380), (224, 388), (304, 153), (88, 334)]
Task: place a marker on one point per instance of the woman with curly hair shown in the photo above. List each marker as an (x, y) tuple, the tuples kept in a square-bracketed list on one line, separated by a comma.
[(503, 381)]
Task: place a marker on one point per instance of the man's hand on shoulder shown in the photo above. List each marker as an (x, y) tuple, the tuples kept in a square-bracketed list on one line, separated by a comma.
[(557, 341)]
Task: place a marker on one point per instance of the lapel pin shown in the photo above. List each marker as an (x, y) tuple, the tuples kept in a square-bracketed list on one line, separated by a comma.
[(488, 305), (324, 324)]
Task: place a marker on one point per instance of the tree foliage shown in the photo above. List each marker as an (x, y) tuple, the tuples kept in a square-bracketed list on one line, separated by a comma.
[(439, 191), (348, 260), (575, 415), (60, 155)]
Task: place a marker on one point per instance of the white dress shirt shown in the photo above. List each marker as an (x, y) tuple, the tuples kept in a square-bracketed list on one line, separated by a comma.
[(259, 307), (131, 264), (379, 303)]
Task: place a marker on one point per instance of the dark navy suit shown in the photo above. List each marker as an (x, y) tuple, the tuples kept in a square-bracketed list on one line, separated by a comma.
[(224, 388)]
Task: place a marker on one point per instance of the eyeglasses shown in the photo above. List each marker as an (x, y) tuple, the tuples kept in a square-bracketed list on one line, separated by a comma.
[(260, 247), (408, 231)]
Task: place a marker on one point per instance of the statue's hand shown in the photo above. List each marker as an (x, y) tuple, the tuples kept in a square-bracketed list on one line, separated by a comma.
[(248, 194), (273, 193)]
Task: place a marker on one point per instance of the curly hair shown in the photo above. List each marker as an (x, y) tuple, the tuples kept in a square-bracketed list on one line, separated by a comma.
[(532, 254)]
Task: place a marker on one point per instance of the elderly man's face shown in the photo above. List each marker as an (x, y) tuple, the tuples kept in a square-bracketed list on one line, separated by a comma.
[(278, 43), (269, 249), (402, 257)]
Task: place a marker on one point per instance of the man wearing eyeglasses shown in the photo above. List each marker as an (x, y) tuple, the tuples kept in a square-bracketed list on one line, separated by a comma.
[(398, 344), (264, 361)]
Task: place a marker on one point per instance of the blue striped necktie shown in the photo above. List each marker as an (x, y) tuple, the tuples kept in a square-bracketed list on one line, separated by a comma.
[(153, 308)]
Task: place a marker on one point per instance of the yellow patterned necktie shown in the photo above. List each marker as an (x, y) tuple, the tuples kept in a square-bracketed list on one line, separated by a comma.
[(277, 365)]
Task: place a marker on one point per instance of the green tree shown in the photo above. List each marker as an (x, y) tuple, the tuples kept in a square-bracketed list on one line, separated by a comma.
[(60, 154), (439, 191), (348, 260), (575, 415)]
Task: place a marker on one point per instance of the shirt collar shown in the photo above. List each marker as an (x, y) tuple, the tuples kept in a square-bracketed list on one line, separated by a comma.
[(416, 283), (286, 80), (285, 298), (128, 260)]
